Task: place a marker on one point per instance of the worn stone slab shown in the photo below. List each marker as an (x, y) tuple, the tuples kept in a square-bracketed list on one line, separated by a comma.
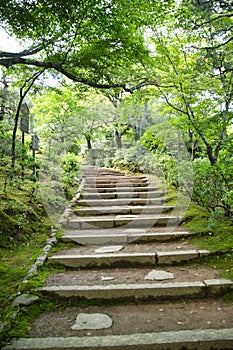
[(116, 221), (130, 194), (24, 299), (170, 257), (203, 252), (110, 259), (160, 291), (92, 321), (218, 286), (127, 209), (206, 339), (97, 240), (109, 249), (159, 275), (154, 237), (120, 201), (131, 235), (117, 188)]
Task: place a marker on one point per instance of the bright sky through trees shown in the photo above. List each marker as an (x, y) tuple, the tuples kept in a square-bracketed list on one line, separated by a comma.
[(8, 43)]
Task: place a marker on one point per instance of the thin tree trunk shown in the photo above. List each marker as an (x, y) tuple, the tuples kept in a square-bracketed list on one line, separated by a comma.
[(88, 139), (22, 96), (118, 139)]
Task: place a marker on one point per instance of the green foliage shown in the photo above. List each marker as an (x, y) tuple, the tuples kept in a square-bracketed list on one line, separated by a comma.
[(126, 160), (70, 174), (90, 42), (213, 186), (102, 157)]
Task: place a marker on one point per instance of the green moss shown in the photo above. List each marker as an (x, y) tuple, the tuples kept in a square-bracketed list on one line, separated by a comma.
[(20, 325), (215, 233)]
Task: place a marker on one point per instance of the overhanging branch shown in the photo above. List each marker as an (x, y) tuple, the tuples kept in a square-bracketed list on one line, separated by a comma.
[(11, 59)]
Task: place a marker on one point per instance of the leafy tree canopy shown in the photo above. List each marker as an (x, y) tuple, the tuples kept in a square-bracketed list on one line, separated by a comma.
[(91, 42)]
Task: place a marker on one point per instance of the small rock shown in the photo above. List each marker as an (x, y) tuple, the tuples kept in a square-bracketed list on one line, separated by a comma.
[(51, 241), (92, 321), (24, 299), (32, 272), (47, 248), (159, 275), (110, 249)]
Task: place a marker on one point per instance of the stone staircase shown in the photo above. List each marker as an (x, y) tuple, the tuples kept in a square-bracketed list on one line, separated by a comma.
[(131, 268)]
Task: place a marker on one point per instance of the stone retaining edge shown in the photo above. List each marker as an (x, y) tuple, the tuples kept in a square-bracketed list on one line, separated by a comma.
[(205, 339)]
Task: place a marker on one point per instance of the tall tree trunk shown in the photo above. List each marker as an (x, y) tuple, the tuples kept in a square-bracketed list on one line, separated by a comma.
[(22, 95), (88, 139), (13, 141), (118, 139), (4, 97)]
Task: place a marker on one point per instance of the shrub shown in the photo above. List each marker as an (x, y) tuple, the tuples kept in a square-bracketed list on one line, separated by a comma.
[(213, 185)]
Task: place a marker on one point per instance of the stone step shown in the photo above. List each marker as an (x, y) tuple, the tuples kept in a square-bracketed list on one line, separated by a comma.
[(208, 339), (116, 236), (116, 178), (143, 291), (119, 183), (83, 223), (119, 189), (128, 195), (149, 209), (140, 275), (120, 201), (126, 256)]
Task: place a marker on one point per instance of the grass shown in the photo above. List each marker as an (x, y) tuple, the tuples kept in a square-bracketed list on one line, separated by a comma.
[(213, 232)]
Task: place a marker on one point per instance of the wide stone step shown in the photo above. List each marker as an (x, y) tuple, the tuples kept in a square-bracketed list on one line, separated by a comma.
[(109, 183), (129, 255), (120, 201), (121, 236), (149, 209), (83, 223), (143, 291), (114, 195), (119, 189), (140, 275), (208, 339), (116, 178)]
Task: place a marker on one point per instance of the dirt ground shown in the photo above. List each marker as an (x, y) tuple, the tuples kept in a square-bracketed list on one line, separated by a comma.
[(118, 276), (127, 319)]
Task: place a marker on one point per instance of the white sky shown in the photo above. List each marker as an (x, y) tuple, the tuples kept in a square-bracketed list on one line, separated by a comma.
[(8, 43)]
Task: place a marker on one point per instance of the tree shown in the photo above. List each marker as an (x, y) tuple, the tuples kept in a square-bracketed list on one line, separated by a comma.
[(65, 115), (90, 42), (194, 87)]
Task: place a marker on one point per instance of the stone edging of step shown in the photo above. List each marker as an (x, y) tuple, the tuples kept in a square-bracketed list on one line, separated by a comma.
[(173, 340), (68, 212), (143, 291), (50, 242)]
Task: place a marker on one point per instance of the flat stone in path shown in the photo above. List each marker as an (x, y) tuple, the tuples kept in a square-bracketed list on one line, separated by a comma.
[(92, 321), (109, 249), (159, 275)]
